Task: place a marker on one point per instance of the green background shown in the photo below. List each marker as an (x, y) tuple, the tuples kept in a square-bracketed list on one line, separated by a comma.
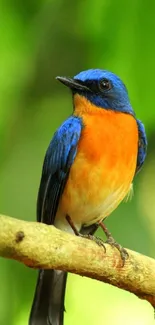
[(40, 40)]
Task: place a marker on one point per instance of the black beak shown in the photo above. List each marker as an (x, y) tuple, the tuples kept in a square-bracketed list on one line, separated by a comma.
[(73, 84)]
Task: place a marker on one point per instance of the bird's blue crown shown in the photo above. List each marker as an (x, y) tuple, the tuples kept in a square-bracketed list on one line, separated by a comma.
[(104, 89)]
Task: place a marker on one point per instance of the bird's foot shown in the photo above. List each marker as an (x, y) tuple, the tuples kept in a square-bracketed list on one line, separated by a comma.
[(71, 223), (124, 254), (111, 241), (97, 240)]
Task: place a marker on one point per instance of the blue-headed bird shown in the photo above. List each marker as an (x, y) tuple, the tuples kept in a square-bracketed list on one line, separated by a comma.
[(88, 170)]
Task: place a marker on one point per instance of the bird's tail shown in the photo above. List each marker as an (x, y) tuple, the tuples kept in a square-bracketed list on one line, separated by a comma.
[(48, 305)]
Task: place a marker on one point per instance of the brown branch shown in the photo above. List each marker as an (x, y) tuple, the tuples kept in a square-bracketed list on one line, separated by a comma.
[(40, 246)]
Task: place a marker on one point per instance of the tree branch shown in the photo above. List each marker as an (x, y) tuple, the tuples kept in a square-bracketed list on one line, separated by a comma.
[(40, 246)]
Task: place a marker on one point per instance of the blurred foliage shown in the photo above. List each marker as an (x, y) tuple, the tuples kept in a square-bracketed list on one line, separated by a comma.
[(39, 40)]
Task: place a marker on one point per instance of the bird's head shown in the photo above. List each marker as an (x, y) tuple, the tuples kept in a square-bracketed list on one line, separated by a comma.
[(101, 88)]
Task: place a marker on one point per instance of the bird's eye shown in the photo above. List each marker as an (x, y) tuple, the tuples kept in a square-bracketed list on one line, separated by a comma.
[(105, 84)]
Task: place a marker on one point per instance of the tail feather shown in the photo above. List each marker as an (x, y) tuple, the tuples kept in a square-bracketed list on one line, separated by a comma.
[(48, 304)]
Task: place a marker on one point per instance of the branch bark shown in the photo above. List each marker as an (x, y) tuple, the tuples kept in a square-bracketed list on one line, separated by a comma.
[(40, 246)]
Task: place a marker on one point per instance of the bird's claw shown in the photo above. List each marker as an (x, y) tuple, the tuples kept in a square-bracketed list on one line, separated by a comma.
[(110, 240), (124, 254), (97, 240)]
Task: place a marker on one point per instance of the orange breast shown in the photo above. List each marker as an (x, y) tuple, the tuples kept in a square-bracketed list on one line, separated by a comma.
[(104, 167)]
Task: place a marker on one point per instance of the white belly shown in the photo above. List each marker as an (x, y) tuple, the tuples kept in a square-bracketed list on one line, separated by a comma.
[(86, 214)]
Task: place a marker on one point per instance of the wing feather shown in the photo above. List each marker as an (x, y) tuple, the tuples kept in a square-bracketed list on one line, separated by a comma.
[(59, 158), (142, 146)]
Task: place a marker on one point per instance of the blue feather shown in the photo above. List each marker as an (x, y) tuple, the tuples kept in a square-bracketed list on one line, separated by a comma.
[(142, 145), (58, 160), (116, 98)]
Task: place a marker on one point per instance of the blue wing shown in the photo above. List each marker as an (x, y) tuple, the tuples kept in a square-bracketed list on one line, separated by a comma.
[(58, 160), (142, 145)]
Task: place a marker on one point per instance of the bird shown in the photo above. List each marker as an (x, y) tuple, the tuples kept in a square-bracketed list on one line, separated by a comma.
[(88, 170)]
